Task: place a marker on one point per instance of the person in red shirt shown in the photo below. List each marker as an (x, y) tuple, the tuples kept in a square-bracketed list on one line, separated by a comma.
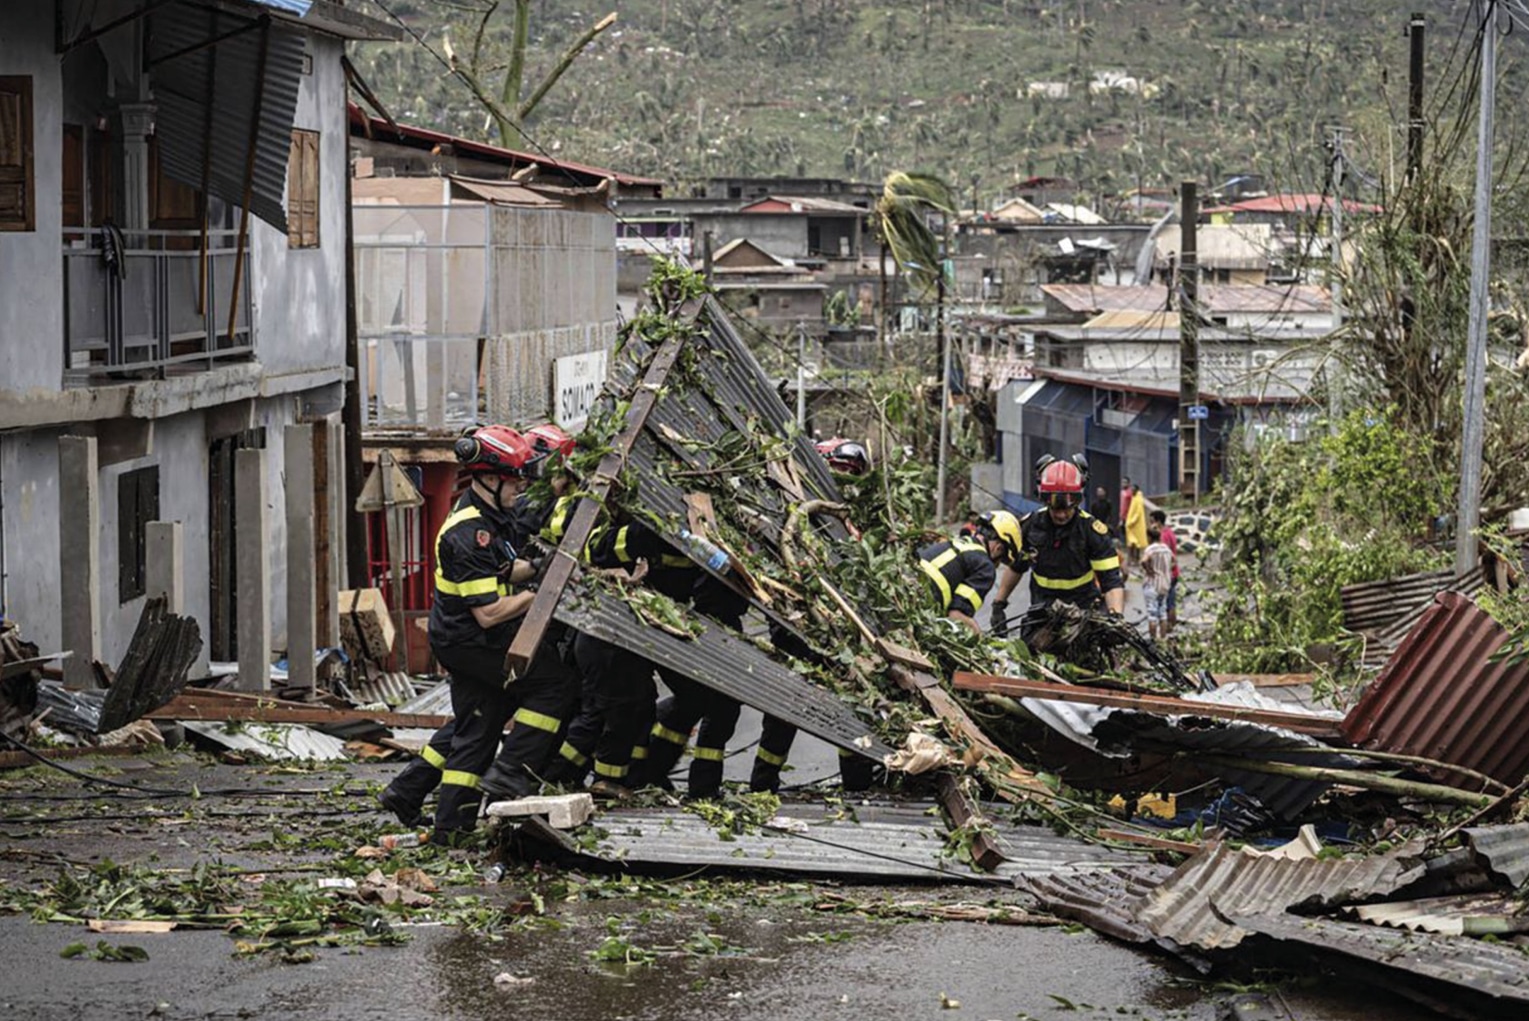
[(1169, 539)]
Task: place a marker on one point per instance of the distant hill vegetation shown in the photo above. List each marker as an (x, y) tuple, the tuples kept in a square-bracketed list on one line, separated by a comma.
[(1113, 94)]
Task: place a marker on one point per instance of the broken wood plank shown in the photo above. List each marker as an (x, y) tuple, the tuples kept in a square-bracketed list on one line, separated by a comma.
[(534, 625), (964, 812), (192, 707), (1147, 840), (1162, 705), (1265, 680)]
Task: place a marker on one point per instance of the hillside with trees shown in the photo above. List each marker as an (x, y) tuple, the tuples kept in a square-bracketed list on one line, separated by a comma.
[(1155, 90)]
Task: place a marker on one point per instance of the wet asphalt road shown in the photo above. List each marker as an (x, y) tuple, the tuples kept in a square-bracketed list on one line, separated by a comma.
[(776, 959)]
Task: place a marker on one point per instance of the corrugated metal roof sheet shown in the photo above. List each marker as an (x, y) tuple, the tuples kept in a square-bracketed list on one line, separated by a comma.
[(1191, 905), (1223, 298), (1495, 970), (1120, 733), (1106, 901), (724, 662), (873, 842), (1372, 605), (1441, 698), (1384, 642), (435, 701), (206, 104), (274, 741), (425, 138), (1472, 914), (1504, 849), (391, 689)]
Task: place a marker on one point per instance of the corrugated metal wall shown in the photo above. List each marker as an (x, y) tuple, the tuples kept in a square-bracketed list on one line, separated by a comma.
[(554, 294)]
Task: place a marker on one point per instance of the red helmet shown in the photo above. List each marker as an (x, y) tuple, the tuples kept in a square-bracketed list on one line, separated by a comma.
[(548, 438), (845, 456), (1061, 484), (494, 450)]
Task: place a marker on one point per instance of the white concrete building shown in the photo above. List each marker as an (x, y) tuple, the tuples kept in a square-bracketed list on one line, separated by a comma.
[(142, 309)]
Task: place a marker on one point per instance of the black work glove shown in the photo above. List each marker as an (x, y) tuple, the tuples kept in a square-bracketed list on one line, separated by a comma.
[(1000, 618)]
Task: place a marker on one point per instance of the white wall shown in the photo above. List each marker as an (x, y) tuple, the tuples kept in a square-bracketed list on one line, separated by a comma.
[(299, 293), (32, 302)]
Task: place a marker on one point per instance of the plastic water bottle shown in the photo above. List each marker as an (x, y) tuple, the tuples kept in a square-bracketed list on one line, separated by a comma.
[(494, 873), (706, 551), (395, 841)]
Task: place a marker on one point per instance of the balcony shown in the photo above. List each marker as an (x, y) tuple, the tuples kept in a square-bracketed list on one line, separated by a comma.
[(158, 308)]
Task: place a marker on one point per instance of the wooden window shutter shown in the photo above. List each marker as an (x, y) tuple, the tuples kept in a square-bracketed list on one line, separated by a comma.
[(303, 190), (73, 192), (17, 188)]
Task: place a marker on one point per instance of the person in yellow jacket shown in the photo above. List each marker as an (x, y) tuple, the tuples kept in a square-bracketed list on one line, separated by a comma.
[(1136, 526)]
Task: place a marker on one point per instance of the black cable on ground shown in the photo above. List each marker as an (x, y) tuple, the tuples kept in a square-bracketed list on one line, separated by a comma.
[(123, 789)]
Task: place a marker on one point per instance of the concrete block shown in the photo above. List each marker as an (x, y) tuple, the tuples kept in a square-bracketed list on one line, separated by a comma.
[(366, 626), (563, 811), (165, 556)]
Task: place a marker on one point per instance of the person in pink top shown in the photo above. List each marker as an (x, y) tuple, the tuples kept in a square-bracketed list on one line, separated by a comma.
[(1125, 501), (1169, 539)]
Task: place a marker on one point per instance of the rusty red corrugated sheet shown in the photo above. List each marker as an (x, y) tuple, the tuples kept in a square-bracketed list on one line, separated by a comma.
[(1440, 697)]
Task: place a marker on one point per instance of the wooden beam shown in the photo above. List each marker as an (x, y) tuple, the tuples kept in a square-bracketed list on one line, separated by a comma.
[(187, 706), (570, 550), (1147, 840), (1160, 705)]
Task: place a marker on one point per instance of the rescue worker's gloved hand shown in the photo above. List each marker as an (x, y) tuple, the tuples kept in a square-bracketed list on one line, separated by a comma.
[(541, 563), (1000, 618)]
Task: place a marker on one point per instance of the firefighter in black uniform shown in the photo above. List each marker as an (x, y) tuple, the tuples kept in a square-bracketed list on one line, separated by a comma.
[(613, 723), (962, 570), (1067, 551), (405, 795), (473, 619), (848, 461)]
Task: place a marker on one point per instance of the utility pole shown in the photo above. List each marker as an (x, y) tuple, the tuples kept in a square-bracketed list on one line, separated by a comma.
[(944, 346), (1335, 380), (1468, 515), (1415, 100), (801, 376), (1189, 342)]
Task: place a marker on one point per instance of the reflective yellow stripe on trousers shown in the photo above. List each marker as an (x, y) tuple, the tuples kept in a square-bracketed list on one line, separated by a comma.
[(541, 721), (433, 757), (459, 778)]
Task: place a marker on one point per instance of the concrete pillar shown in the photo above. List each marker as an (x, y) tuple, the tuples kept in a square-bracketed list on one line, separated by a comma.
[(165, 553), (253, 569), (137, 126), (79, 577), (301, 569), (339, 514)]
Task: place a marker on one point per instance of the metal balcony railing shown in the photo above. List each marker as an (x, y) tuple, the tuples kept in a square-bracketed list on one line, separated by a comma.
[(148, 304)]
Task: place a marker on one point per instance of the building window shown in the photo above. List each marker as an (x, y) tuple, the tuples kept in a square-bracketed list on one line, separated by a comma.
[(303, 190), (17, 198), (137, 505)]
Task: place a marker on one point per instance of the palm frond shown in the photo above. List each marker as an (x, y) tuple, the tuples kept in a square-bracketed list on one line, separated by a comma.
[(902, 215)]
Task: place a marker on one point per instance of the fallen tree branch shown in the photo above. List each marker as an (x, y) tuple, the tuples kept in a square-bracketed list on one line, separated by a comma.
[(1351, 777)]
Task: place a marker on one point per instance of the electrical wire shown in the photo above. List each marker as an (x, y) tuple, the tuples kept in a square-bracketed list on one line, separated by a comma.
[(125, 790)]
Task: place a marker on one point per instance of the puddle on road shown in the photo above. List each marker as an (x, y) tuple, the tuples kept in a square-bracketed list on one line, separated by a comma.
[(793, 964)]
